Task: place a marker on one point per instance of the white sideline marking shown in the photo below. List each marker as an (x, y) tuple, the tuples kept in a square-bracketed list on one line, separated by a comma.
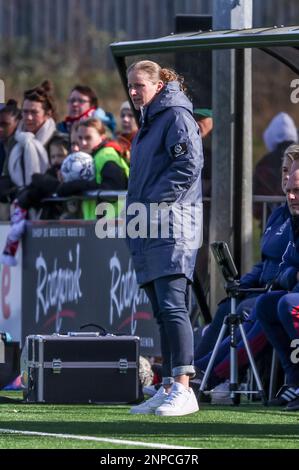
[(92, 438)]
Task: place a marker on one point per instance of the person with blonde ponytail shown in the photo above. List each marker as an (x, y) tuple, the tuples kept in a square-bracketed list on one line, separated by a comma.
[(166, 164)]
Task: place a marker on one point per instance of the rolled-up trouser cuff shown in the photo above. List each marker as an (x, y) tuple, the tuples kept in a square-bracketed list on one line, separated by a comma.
[(167, 380), (184, 370)]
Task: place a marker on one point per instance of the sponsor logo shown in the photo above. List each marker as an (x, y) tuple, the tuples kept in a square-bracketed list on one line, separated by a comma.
[(57, 286), (124, 294)]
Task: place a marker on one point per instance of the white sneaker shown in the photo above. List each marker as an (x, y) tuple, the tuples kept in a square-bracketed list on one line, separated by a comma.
[(181, 401), (149, 406), (221, 394)]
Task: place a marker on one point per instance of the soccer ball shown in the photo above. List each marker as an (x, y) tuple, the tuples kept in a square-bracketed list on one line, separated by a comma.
[(78, 166)]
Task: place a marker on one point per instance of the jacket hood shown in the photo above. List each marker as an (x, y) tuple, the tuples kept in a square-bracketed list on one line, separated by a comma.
[(169, 96), (281, 129)]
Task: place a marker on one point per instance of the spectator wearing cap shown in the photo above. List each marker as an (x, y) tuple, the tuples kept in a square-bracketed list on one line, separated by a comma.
[(280, 133)]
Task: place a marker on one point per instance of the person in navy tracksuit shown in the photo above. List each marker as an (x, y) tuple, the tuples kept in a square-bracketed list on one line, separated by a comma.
[(166, 164), (273, 244), (278, 312)]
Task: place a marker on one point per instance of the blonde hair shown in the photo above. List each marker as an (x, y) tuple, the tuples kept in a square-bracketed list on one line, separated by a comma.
[(291, 152), (156, 72)]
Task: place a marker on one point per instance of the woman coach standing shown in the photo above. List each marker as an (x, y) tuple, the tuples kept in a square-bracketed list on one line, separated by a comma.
[(166, 163)]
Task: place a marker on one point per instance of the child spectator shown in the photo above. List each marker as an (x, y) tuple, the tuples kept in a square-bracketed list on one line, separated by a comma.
[(128, 130), (74, 138), (111, 170)]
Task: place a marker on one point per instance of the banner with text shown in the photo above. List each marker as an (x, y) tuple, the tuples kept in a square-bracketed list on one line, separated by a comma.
[(71, 278)]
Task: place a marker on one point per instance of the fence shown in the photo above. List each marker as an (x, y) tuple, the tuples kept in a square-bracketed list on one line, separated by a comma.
[(92, 24)]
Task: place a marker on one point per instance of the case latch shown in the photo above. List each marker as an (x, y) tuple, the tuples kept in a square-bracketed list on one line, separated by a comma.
[(123, 365), (56, 366)]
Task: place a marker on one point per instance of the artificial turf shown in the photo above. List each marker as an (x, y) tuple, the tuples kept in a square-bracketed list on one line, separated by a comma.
[(248, 426)]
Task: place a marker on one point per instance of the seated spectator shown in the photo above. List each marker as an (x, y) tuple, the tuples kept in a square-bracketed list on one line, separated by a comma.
[(111, 170), (280, 133), (41, 186), (10, 116), (127, 131), (29, 155), (273, 245), (82, 104), (278, 311)]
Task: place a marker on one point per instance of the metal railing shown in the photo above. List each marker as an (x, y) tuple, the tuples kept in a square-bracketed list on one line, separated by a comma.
[(268, 204)]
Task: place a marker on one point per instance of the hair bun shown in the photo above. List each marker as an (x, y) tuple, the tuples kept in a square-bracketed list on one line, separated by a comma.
[(47, 86), (12, 102)]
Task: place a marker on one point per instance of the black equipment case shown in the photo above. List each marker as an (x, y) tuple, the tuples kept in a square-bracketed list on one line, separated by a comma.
[(82, 368)]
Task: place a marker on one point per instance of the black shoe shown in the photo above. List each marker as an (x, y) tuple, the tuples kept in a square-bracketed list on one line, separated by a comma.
[(285, 395), (293, 405)]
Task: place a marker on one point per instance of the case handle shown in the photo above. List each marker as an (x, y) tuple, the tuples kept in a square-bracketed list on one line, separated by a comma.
[(103, 331)]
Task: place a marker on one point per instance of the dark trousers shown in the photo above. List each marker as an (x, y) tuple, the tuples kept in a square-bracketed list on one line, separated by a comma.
[(169, 299), (278, 313)]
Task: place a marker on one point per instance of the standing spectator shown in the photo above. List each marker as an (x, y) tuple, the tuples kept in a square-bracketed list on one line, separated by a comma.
[(82, 104), (29, 155), (10, 116), (41, 186), (280, 133), (166, 163), (127, 131)]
